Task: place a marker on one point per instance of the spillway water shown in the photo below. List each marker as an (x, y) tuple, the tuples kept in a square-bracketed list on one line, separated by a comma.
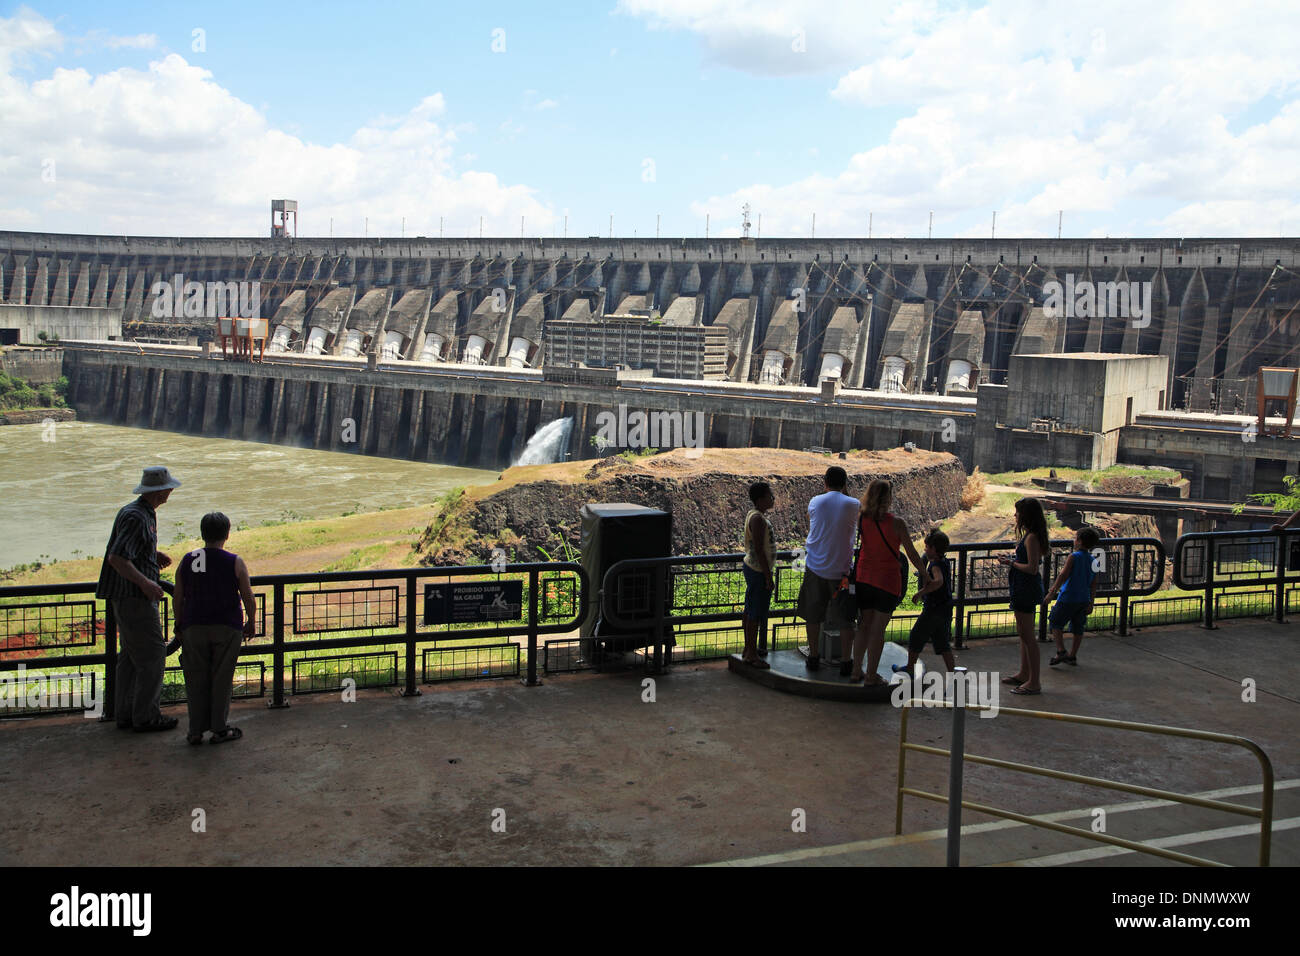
[(548, 443), (59, 497)]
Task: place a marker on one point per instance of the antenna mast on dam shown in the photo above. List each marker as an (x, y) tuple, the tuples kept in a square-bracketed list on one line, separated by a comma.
[(284, 208)]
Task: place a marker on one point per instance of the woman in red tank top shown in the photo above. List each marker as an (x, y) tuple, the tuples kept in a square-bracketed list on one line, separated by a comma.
[(880, 579)]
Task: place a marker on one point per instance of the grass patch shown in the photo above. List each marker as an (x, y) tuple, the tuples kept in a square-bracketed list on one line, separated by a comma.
[(358, 557), (1024, 479)]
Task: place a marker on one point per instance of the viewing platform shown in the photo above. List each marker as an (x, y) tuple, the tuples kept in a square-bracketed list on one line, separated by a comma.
[(587, 772), (788, 671)]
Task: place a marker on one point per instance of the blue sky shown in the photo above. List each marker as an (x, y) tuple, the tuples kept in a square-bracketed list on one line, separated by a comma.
[(1125, 117)]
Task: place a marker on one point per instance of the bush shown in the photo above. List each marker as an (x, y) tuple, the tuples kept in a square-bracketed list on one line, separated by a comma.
[(15, 393), (973, 493)]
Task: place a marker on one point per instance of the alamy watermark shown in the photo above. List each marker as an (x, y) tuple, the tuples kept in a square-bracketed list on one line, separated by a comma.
[(76, 909), (932, 689), (35, 690), (639, 430), (1116, 300), (193, 300)]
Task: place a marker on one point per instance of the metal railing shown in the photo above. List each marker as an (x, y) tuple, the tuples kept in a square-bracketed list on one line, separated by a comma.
[(667, 596), (1127, 568), (672, 599), (407, 625), (957, 757), (1212, 561)]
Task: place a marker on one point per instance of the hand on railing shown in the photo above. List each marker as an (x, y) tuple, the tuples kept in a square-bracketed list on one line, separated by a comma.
[(174, 644)]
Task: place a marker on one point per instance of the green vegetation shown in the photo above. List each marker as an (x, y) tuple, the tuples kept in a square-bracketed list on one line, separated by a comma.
[(16, 395), (356, 557), (565, 552), (447, 507), (8, 574), (1280, 501), (286, 517), (1024, 479)]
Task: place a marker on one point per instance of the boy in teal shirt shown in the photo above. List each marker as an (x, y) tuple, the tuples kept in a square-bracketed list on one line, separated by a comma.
[(1077, 587)]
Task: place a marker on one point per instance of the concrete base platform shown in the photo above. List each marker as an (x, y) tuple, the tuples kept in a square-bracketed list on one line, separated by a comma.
[(788, 673), (592, 770)]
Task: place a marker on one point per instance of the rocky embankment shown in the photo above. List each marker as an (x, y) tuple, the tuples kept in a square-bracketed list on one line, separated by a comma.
[(35, 416), (534, 511)]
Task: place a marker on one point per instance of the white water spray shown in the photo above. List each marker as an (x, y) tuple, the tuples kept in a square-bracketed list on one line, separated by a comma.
[(548, 443)]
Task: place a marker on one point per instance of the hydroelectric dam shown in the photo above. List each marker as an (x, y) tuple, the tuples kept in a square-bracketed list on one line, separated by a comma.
[(1009, 352)]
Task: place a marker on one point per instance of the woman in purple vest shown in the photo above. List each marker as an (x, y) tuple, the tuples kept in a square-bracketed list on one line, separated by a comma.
[(210, 584)]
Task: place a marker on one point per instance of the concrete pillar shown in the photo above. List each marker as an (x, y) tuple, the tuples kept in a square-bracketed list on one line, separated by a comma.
[(236, 415), (276, 424), (416, 431)]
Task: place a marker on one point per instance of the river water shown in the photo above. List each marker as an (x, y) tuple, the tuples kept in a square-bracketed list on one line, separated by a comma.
[(59, 497)]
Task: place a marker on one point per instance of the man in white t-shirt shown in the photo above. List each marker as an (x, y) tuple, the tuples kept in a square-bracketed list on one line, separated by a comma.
[(832, 523)]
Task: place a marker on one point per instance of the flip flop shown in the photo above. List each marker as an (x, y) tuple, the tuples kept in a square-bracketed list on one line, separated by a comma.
[(230, 733), (1017, 681), (1025, 693)]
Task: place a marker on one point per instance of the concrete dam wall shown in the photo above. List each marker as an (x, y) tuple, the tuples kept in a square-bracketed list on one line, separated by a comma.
[(468, 420), (913, 316)]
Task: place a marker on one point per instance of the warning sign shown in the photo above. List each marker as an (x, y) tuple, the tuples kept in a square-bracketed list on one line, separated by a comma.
[(465, 602)]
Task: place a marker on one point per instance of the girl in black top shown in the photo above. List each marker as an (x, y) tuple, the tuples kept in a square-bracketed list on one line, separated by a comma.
[(1026, 586)]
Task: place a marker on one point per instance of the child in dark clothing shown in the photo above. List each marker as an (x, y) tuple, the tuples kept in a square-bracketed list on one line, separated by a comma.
[(1077, 586), (758, 567), (934, 624)]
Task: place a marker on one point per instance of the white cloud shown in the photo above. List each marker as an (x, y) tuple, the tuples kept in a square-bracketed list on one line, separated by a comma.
[(1029, 108), (24, 38), (141, 41), (774, 36), (546, 105), (168, 150)]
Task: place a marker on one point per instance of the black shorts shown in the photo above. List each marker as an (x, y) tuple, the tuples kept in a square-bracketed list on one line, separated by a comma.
[(933, 626), (1028, 597), (872, 598)]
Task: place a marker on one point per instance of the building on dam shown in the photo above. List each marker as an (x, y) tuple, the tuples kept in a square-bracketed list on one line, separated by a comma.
[(1010, 352)]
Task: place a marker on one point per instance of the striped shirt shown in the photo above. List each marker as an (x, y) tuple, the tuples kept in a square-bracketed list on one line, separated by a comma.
[(134, 537)]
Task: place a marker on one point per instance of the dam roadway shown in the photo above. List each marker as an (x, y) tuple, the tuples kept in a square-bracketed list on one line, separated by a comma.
[(475, 416)]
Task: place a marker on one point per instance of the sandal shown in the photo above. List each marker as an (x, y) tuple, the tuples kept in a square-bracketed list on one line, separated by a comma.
[(1071, 661), (230, 733), (1025, 692), (877, 682), (193, 739), (1060, 658), (758, 663), (1017, 681)]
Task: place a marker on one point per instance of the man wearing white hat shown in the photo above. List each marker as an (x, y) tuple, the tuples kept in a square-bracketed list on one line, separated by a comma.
[(129, 579)]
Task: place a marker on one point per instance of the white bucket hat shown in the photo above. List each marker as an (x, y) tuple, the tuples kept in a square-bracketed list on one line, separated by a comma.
[(156, 478)]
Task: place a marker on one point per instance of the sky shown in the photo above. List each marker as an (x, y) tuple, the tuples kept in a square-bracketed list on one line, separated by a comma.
[(830, 119)]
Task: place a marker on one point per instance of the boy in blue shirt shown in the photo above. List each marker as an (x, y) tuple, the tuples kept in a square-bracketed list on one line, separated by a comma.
[(1077, 587)]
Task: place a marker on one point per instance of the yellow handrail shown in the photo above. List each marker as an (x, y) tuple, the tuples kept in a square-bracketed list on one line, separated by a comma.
[(1264, 813)]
